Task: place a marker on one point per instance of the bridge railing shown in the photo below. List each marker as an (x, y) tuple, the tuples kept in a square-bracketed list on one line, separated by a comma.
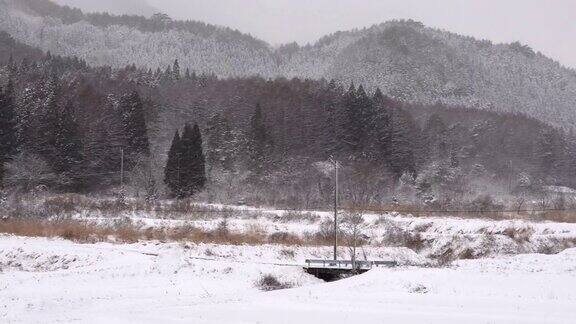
[(348, 264)]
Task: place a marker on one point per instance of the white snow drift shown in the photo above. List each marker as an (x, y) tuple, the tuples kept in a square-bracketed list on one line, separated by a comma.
[(50, 281)]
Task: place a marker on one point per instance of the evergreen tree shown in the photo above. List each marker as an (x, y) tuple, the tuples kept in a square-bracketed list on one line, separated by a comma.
[(380, 128), (57, 139), (176, 70), (435, 138), (172, 170), (219, 143), (550, 151), (8, 127), (68, 147), (28, 108), (358, 122), (402, 139), (331, 99), (349, 123), (192, 162), (134, 122), (259, 143), (365, 118), (8, 122), (45, 141)]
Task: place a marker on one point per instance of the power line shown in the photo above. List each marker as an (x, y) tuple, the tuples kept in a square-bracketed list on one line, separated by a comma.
[(48, 177)]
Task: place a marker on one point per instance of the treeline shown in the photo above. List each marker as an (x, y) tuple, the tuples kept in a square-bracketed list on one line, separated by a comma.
[(157, 23), (49, 137), (395, 148), (65, 126), (318, 119)]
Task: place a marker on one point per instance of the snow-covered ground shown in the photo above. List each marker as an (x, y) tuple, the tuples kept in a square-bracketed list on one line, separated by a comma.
[(56, 281)]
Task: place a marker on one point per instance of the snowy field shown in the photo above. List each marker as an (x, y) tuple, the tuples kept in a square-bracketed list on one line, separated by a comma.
[(506, 279), (57, 281)]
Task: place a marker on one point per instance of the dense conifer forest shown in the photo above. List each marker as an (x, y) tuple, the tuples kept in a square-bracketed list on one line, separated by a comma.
[(69, 127)]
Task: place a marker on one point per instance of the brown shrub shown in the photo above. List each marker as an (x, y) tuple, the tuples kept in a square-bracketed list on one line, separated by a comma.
[(297, 216), (286, 253), (519, 234), (397, 236), (270, 282), (285, 238)]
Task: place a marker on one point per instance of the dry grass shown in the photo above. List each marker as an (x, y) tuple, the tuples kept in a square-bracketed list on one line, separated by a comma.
[(126, 232), (68, 204), (560, 216), (74, 230)]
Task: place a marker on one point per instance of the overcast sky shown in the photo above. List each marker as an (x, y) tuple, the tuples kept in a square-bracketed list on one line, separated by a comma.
[(548, 26)]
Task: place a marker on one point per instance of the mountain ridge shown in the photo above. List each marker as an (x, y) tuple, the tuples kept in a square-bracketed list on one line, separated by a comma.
[(405, 59), (128, 7)]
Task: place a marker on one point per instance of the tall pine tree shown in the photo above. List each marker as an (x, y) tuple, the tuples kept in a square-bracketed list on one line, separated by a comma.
[(379, 132), (172, 170), (219, 144), (402, 139), (192, 162), (331, 99), (44, 143), (259, 143), (134, 122), (435, 139), (176, 70), (68, 160), (8, 130), (350, 125)]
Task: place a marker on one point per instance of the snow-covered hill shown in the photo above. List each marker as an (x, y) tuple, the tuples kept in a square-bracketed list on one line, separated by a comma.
[(55, 281), (156, 43), (415, 63)]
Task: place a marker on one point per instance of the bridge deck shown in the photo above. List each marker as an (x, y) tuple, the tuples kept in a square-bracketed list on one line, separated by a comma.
[(331, 269)]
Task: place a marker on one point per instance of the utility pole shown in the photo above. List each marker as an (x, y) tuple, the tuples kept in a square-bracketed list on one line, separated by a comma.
[(178, 169), (121, 169), (509, 176), (336, 165)]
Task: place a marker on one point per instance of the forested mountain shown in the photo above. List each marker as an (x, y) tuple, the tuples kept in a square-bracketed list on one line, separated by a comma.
[(136, 7), (406, 60), (66, 125), (103, 39), (411, 62)]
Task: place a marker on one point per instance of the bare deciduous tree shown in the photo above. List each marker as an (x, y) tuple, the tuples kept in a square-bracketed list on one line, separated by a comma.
[(354, 226), (28, 171), (145, 179)]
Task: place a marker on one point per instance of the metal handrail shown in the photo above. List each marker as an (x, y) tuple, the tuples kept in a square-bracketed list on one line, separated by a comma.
[(349, 263)]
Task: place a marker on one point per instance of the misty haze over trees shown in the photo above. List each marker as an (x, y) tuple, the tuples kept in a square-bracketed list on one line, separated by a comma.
[(414, 115)]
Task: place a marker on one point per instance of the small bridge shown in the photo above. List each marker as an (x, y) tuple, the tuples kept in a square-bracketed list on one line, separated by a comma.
[(330, 270)]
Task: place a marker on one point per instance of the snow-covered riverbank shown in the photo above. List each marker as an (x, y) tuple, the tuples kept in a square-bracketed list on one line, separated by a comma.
[(52, 280)]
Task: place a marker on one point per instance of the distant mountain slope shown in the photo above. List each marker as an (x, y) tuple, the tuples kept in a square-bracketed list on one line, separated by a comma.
[(102, 39), (411, 62), (117, 7), (12, 50), (405, 59)]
